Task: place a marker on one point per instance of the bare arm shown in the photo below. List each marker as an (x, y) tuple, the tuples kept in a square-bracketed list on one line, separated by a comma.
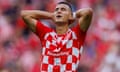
[(30, 17), (84, 17)]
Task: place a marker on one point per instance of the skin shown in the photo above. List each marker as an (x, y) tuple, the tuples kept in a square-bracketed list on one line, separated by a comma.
[(62, 22), (61, 17)]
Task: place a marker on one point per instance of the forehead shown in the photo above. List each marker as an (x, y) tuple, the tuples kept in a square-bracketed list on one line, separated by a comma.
[(63, 6)]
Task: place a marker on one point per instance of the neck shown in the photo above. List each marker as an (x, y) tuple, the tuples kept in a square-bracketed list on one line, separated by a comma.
[(62, 29)]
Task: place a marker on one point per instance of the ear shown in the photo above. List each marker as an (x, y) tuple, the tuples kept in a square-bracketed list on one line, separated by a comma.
[(71, 19)]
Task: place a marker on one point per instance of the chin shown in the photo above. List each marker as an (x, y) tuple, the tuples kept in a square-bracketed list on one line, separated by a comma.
[(57, 21), (60, 20)]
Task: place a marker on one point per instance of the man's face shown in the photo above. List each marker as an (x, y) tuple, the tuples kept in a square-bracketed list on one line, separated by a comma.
[(62, 13)]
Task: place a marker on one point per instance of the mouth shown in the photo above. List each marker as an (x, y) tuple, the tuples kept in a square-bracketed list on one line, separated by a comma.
[(58, 16)]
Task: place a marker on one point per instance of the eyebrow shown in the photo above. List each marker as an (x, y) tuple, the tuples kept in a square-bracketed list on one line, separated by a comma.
[(61, 7)]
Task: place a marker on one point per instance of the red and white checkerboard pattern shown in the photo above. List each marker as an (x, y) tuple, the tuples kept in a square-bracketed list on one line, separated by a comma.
[(60, 53)]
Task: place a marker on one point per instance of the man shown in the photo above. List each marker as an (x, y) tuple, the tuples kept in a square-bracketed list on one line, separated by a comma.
[(62, 47)]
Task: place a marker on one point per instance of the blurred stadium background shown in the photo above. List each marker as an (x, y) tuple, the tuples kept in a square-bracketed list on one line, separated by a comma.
[(20, 48)]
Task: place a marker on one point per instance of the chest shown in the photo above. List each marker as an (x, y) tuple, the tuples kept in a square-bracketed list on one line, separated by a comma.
[(64, 44)]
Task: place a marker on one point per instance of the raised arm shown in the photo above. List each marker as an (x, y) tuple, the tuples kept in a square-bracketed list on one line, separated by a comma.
[(30, 17), (84, 18)]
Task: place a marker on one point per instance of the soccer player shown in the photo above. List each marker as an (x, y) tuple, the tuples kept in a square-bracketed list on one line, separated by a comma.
[(62, 46)]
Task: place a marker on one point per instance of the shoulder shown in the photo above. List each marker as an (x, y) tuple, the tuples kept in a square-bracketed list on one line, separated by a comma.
[(79, 32), (42, 29), (40, 26)]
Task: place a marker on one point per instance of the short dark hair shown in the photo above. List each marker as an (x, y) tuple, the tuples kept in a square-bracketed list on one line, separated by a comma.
[(66, 3)]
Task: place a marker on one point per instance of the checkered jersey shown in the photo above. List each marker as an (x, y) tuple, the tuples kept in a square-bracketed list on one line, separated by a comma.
[(60, 53)]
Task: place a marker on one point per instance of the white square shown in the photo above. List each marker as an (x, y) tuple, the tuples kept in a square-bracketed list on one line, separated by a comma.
[(57, 61), (50, 68), (46, 36), (59, 39), (69, 44), (62, 68), (53, 34), (75, 51), (81, 50), (54, 42), (45, 59), (43, 50), (74, 35), (47, 44), (69, 59), (64, 41), (74, 66)]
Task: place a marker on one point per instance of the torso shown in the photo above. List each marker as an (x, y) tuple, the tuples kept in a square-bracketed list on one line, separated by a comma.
[(60, 53)]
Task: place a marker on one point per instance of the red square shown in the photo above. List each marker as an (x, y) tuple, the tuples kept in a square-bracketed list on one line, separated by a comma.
[(51, 60), (69, 66), (74, 59), (56, 69), (64, 59), (44, 67)]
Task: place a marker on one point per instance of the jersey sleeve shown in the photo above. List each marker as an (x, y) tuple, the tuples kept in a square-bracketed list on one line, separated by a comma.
[(80, 33), (41, 30)]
